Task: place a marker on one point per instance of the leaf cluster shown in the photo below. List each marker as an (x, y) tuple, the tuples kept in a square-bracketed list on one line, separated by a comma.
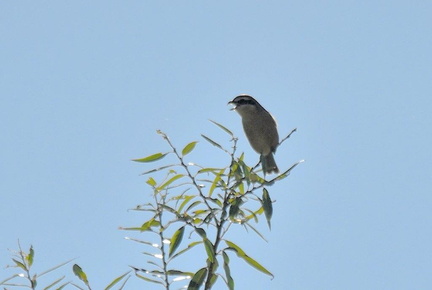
[(202, 203), (26, 278)]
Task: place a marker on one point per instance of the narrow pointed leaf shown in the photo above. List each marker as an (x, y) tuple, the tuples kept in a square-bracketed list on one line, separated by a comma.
[(213, 279), (246, 171), (229, 279), (215, 182), (80, 273), (222, 127), (151, 158), (211, 141), (30, 256), (235, 207), (248, 225), (213, 170), (176, 240), (116, 280), (195, 203), (19, 264), (9, 278), (34, 282), (53, 283), (158, 169), (148, 224), (288, 171), (197, 279), (54, 268), (148, 279), (240, 253), (185, 201), (64, 285), (168, 182), (268, 206), (209, 249), (179, 273), (188, 148), (201, 232), (190, 246)]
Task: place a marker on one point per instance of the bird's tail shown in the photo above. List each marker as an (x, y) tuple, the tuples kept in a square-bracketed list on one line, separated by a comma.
[(269, 164)]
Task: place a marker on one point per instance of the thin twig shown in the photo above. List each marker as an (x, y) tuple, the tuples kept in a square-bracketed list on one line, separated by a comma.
[(289, 135)]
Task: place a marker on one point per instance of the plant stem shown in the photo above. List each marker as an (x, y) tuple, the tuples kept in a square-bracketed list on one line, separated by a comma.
[(162, 239), (223, 218)]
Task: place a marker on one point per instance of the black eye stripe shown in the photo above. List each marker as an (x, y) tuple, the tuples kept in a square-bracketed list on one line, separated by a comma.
[(244, 102)]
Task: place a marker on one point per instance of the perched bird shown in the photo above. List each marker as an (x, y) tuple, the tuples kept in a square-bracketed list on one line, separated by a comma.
[(260, 129)]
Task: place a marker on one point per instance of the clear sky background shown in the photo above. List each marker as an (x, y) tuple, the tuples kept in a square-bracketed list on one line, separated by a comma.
[(85, 85)]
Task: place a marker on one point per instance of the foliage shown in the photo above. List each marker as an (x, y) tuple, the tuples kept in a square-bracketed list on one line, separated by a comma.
[(23, 261), (188, 200), (203, 203)]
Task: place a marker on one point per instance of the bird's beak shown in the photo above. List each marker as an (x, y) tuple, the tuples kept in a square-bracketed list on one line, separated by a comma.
[(232, 103)]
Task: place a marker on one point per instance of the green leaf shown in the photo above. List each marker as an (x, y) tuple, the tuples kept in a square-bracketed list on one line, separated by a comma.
[(54, 268), (151, 182), (168, 208), (148, 279), (215, 182), (186, 198), (209, 249), (215, 265), (151, 158), (190, 246), (145, 226), (30, 256), (188, 148), (200, 212), (240, 253), (34, 282), (80, 274), (246, 170), (201, 232), (158, 169), (216, 201), (212, 142), (179, 273), (229, 279), (255, 230), (223, 128), (268, 206), (208, 217), (197, 279), (52, 284), (241, 188), (255, 178), (116, 280), (288, 171), (213, 279), (19, 264), (63, 285), (253, 215), (8, 279), (236, 170), (176, 240), (168, 182), (195, 203), (210, 169), (235, 207)]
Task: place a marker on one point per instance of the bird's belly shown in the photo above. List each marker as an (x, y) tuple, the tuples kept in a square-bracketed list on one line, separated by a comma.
[(259, 138)]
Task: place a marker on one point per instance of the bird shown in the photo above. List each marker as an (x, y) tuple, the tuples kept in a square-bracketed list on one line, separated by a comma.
[(260, 128)]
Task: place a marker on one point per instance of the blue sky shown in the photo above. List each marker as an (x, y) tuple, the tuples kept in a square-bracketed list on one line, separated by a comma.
[(84, 86)]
